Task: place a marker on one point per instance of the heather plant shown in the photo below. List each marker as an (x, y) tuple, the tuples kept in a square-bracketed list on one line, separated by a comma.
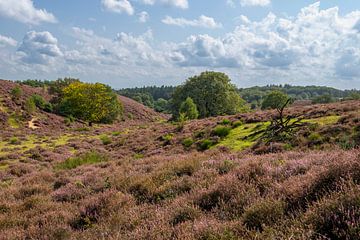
[(225, 167), (264, 213), (205, 144), (186, 213)]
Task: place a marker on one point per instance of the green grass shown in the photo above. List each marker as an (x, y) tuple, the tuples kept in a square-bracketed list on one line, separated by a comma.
[(14, 121), (238, 138), (323, 121), (86, 159)]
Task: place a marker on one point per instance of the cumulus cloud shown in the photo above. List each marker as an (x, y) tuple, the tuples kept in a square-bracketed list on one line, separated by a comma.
[(202, 21), (24, 11), (183, 4), (261, 3), (7, 41), (143, 17), (118, 6), (39, 48)]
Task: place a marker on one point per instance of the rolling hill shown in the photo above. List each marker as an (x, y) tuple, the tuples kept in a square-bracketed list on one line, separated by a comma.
[(146, 178)]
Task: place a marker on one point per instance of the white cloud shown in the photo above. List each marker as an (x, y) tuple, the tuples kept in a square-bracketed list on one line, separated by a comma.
[(313, 47), (39, 48), (261, 3), (7, 41), (183, 4), (143, 17), (202, 21), (230, 3), (118, 6), (24, 11)]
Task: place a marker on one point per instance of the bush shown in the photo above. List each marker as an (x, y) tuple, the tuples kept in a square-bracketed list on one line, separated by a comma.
[(105, 139), (337, 217), (221, 131), (225, 167), (225, 122), (187, 142), (14, 141), (85, 159), (237, 124), (315, 138), (30, 106), (204, 144), (16, 93), (184, 214), (264, 213), (167, 138)]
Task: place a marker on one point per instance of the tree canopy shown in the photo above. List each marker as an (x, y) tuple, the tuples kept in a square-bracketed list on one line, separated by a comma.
[(94, 103), (189, 109), (275, 99), (212, 93)]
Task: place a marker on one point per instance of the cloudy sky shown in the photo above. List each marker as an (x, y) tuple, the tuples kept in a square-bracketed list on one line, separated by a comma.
[(127, 43)]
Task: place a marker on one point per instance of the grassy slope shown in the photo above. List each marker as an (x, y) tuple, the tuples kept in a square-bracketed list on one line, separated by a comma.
[(75, 183)]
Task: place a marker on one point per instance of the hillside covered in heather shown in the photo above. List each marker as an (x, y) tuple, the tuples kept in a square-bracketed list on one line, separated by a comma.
[(146, 177)]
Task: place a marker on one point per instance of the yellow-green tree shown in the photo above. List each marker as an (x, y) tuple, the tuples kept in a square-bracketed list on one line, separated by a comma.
[(94, 103)]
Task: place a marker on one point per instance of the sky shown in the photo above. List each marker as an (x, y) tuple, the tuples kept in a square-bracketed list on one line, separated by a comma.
[(127, 43)]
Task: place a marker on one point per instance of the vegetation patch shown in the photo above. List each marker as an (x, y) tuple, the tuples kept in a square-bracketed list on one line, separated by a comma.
[(85, 159), (241, 137)]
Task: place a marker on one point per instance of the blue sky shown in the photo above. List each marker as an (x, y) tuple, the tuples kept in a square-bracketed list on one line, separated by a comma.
[(127, 43)]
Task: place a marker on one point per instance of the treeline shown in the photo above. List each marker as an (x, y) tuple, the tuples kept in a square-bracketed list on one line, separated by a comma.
[(154, 96)]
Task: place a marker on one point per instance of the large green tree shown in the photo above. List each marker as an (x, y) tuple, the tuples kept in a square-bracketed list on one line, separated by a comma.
[(213, 94), (275, 99), (189, 109), (94, 103)]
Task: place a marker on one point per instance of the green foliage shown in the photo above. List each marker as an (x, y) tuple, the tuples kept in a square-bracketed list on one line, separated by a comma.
[(274, 100), (105, 139), (315, 138), (95, 103), (212, 93), (16, 93), (221, 131), (187, 142), (85, 159), (30, 105), (225, 122), (205, 144), (14, 141), (237, 124), (161, 105), (167, 138), (326, 98), (189, 109), (69, 120)]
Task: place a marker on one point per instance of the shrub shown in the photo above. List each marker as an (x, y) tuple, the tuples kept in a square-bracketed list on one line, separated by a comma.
[(315, 138), (167, 138), (14, 141), (221, 131), (337, 217), (225, 122), (205, 144), (85, 159), (264, 213), (187, 142), (225, 167), (237, 124), (30, 106), (16, 93), (184, 214), (105, 139)]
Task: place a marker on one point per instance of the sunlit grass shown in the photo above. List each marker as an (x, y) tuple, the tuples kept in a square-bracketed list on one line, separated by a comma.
[(86, 159)]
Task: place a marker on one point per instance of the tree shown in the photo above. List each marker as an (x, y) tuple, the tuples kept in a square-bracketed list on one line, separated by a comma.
[(274, 100), (189, 109), (212, 93), (94, 103), (16, 93), (161, 105), (326, 98), (30, 105)]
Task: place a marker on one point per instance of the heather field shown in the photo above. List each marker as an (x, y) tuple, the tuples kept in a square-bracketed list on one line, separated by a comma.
[(145, 177)]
